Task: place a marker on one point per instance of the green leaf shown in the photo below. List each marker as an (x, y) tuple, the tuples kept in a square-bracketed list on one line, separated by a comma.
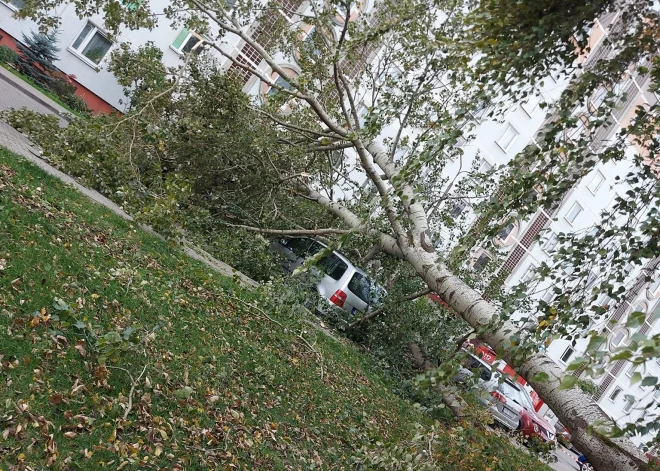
[(635, 378), (541, 377), (649, 381), (60, 305), (594, 342), (635, 319), (567, 382)]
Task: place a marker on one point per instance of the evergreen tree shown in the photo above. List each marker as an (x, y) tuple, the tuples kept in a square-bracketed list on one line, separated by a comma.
[(38, 52)]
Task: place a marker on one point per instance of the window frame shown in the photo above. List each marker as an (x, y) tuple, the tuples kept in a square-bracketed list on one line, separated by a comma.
[(628, 406), (11, 6), (593, 191), (653, 289), (506, 148), (191, 34), (553, 237), (551, 292), (484, 253), (631, 370), (537, 101), (463, 203), (561, 358), (528, 275), (614, 395), (485, 163), (614, 335), (566, 216), (78, 51)]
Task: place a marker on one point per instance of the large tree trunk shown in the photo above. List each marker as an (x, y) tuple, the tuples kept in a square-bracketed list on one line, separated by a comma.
[(575, 408)]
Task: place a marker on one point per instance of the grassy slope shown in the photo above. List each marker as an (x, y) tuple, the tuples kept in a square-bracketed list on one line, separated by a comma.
[(224, 386)]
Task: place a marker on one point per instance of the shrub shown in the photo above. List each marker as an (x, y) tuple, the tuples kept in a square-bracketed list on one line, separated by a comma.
[(7, 55), (76, 103)]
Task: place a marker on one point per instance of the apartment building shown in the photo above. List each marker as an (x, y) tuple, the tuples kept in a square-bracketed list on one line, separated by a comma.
[(579, 210)]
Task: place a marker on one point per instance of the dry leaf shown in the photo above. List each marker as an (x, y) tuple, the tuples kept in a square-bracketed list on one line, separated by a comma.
[(70, 434), (80, 346), (56, 399)]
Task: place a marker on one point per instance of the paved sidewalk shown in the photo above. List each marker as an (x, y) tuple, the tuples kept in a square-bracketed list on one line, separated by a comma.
[(16, 94), (20, 144)]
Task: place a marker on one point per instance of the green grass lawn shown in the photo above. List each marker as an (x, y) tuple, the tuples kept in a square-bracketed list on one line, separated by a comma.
[(218, 378)]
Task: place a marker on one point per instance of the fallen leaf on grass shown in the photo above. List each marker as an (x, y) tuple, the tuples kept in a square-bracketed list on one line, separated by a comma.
[(56, 399), (80, 346), (16, 284)]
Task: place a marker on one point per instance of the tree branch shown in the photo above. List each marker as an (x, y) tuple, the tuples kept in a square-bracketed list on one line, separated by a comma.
[(371, 315), (290, 232)]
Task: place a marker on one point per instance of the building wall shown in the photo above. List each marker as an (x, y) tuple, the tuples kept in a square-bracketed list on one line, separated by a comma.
[(96, 84)]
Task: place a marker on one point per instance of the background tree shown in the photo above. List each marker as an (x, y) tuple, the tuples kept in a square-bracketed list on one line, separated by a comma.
[(38, 54)]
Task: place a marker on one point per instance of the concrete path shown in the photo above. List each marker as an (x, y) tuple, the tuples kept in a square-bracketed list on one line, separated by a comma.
[(16, 94)]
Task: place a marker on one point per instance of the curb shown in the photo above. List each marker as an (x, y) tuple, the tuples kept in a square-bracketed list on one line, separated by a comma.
[(25, 90)]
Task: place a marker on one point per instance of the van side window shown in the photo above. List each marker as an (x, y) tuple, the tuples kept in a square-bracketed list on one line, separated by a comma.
[(333, 266)]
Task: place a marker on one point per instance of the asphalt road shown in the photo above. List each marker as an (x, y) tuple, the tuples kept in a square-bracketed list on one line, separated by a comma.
[(565, 460)]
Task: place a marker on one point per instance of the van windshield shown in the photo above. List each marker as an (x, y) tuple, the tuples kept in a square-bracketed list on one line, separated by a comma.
[(360, 286)]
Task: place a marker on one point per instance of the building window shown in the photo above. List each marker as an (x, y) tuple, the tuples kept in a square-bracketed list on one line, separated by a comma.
[(14, 4), (280, 82), (532, 104), (529, 274), (507, 139), (605, 301), (656, 395), (596, 182), (654, 288), (574, 212), (485, 166), (615, 393), (506, 231), (92, 44), (549, 295), (185, 42), (631, 369), (617, 338), (591, 279), (597, 98), (312, 43), (481, 262), (458, 207), (551, 242), (566, 356), (581, 129), (630, 402)]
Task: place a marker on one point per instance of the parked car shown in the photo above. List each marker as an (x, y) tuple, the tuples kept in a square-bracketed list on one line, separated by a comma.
[(342, 284), (471, 365), (563, 435), (511, 406)]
